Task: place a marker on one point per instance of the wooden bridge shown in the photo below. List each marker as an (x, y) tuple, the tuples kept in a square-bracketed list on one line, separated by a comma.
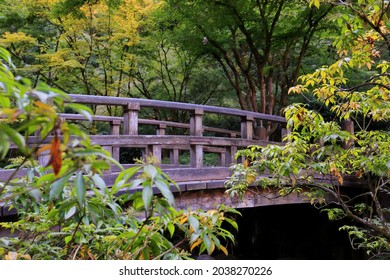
[(201, 186)]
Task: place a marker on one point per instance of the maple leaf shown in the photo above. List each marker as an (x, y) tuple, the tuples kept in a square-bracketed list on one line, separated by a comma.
[(55, 154)]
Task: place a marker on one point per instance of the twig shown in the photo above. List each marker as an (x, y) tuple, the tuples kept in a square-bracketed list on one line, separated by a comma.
[(170, 249)]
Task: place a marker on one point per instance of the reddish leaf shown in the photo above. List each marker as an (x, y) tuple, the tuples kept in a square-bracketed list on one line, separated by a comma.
[(55, 154)]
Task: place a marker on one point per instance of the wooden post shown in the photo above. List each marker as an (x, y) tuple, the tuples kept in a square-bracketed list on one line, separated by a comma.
[(161, 129), (196, 129), (247, 127), (196, 126), (261, 133), (130, 118), (196, 155), (156, 151), (222, 159), (174, 156), (230, 152), (115, 130), (348, 126)]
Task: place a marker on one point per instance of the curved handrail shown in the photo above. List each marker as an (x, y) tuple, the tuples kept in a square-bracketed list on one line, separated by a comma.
[(122, 101)]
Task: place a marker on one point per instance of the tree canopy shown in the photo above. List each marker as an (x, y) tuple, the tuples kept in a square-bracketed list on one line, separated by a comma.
[(351, 144)]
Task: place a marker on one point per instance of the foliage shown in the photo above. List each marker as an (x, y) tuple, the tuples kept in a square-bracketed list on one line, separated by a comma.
[(325, 154), (66, 210), (259, 45)]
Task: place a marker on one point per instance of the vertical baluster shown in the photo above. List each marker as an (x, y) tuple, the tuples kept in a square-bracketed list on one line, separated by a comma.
[(115, 130), (196, 129)]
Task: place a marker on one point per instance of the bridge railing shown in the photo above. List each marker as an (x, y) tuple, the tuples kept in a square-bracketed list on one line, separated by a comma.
[(125, 129)]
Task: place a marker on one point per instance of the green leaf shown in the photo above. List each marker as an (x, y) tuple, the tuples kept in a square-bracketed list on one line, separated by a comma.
[(194, 223), (70, 212), (99, 182), (147, 194), (15, 137), (207, 242), (232, 223), (138, 203), (81, 109), (97, 152), (165, 190), (4, 145), (57, 187), (151, 171), (36, 194), (171, 228), (80, 188), (68, 239), (4, 101)]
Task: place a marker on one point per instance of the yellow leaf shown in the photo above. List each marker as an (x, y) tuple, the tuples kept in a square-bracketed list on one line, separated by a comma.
[(183, 220), (196, 243), (223, 249), (250, 178), (246, 163), (11, 256), (25, 257), (45, 107), (212, 247), (340, 179), (43, 148), (211, 212)]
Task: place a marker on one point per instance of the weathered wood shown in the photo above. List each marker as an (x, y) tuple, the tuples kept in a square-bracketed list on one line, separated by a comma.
[(208, 198), (348, 126), (174, 156), (196, 155), (130, 118), (230, 152), (161, 129), (115, 130), (156, 152), (247, 127), (196, 126), (261, 133), (119, 101), (157, 123)]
